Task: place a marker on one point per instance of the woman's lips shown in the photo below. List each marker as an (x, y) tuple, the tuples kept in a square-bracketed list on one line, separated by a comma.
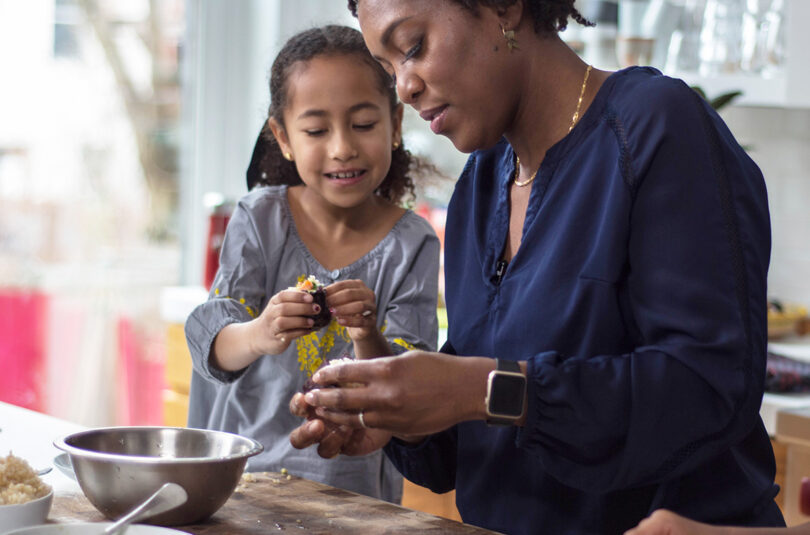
[(436, 116)]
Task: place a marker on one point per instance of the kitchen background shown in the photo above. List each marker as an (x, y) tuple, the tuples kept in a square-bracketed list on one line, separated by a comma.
[(126, 127)]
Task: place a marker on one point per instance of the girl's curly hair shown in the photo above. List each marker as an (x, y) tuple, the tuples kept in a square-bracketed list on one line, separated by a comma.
[(549, 15), (269, 167)]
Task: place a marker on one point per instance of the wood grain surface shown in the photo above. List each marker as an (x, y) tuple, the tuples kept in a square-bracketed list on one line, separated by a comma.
[(268, 502)]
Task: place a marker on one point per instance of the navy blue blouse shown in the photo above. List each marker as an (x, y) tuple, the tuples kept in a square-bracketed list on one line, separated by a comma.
[(638, 298)]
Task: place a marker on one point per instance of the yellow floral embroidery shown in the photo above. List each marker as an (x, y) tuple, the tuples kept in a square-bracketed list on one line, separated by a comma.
[(311, 348), (241, 300), (407, 345)]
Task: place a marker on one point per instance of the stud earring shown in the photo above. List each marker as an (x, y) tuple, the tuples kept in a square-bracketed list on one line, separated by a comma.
[(395, 145), (511, 41), (288, 156)]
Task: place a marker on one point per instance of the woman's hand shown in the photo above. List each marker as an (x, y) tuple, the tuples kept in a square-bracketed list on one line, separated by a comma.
[(417, 393), (354, 306), (663, 522), (332, 439)]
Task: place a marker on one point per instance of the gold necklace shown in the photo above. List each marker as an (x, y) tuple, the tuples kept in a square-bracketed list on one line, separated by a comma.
[(573, 122), (579, 102)]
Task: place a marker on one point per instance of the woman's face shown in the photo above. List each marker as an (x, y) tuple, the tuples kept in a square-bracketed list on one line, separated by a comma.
[(339, 128), (450, 65)]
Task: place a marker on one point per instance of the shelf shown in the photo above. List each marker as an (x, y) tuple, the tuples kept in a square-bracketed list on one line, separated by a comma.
[(787, 88)]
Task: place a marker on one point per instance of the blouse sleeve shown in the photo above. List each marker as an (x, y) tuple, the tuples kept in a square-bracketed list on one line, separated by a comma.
[(236, 296), (410, 316), (431, 463), (697, 264)]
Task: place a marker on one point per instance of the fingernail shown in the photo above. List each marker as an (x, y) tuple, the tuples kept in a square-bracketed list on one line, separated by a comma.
[(310, 398), (310, 322), (332, 310), (316, 307), (316, 377)]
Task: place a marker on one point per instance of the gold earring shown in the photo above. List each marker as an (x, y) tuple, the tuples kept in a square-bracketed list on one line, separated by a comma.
[(395, 145), (288, 156), (511, 41)]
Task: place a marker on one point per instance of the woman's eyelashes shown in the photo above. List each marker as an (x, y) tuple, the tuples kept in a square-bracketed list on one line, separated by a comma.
[(414, 50)]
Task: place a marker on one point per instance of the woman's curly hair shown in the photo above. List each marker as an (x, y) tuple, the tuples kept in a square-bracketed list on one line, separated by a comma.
[(269, 167), (549, 15)]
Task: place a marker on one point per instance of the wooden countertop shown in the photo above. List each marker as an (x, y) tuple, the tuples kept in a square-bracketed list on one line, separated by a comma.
[(268, 502)]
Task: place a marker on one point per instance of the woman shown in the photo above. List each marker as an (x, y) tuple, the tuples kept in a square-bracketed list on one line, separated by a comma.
[(608, 243)]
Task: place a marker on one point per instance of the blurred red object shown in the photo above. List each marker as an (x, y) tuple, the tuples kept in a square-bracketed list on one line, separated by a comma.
[(22, 347), (220, 212), (804, 496)]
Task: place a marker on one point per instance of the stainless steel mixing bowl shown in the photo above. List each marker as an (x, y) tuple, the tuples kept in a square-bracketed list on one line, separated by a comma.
[(119, 467)]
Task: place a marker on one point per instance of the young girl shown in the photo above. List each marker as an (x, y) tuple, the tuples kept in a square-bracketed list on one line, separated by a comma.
[(330, 171)]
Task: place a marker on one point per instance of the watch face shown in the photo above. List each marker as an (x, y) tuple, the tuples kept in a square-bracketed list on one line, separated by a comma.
[(506, 395)]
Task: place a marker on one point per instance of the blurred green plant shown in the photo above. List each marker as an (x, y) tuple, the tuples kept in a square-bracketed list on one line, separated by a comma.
[(720, 101)]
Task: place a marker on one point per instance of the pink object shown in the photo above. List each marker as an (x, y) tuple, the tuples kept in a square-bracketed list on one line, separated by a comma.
[(22, 343), (141, 365)]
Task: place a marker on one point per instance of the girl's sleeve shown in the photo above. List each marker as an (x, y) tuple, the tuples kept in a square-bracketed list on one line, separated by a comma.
[(410, 317), (236, 295), (698, 253)]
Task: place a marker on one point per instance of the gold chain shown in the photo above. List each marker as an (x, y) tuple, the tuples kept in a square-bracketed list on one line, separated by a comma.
[(517, 170), (579, 102), (573, 122)]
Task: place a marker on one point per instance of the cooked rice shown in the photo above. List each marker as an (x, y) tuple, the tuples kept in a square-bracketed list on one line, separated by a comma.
[(18, 482)]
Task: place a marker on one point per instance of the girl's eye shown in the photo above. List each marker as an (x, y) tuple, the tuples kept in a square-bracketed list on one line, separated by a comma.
[(414, 50), (314, 132), (365, 126)]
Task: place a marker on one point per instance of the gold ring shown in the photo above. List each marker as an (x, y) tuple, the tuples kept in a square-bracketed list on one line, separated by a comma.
[(366, 313)]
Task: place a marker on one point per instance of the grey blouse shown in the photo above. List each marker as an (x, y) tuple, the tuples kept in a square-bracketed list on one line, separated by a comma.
[(263, 254)]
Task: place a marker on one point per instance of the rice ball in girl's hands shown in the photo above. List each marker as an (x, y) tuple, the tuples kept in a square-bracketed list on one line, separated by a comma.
[(314, 287), (311, 385)]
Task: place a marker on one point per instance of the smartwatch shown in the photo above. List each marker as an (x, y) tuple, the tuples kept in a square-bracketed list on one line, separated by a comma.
[(506, 391)]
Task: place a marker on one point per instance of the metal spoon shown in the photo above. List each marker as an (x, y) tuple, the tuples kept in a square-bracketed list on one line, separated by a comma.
[(167, 497)]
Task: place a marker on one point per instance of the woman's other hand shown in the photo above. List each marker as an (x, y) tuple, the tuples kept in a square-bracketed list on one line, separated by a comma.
[(332, 439), (416, 393)]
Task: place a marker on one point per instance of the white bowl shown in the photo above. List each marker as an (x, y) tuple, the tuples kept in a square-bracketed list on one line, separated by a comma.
[(25, 514), (96, 528)]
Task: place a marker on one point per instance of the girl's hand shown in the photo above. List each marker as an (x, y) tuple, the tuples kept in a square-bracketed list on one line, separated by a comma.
[(353, 305), (283, 320), (332, 439), (417, 393), (663, 522)]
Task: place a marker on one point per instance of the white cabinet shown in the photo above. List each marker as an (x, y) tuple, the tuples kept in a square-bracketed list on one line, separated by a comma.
[(789, 88), (786, 87)]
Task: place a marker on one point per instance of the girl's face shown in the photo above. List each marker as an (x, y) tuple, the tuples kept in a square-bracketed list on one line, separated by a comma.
[(450, 65), (339, 128)]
